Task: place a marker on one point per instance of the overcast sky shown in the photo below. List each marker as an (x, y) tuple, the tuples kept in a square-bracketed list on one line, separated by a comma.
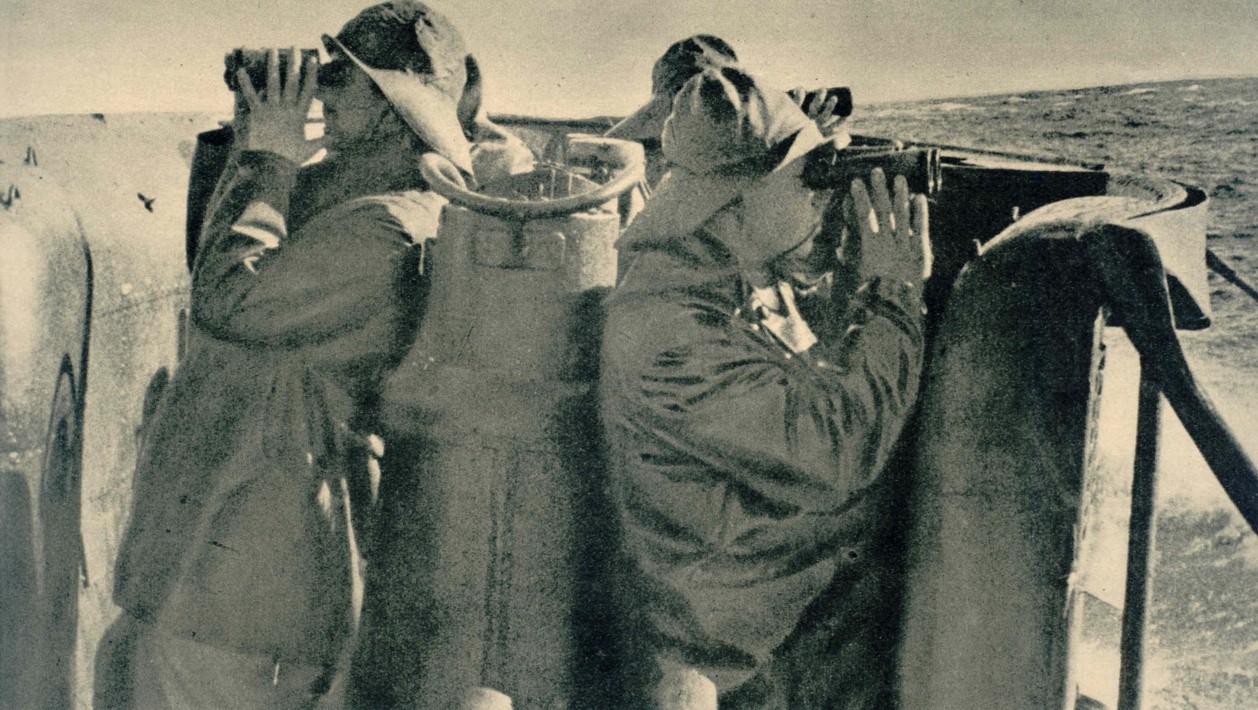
[(567, 58)]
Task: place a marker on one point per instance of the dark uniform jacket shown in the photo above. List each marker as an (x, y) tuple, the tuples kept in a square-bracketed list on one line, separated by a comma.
[(306, 287), (749, 479)]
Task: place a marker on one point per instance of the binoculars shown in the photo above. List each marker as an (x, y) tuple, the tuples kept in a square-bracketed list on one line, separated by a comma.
[(842, 96), (253, 61), (832, 168)]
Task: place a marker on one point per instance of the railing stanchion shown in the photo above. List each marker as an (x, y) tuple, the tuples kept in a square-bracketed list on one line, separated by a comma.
[(1140, 545)]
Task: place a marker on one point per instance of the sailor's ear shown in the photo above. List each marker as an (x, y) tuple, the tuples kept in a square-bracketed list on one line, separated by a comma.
[(470, 101)]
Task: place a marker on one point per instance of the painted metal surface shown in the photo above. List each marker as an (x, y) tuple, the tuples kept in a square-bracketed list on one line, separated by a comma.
[(121, 182), (1000, 460), (1006, 441), (494, 525), (45, 293)]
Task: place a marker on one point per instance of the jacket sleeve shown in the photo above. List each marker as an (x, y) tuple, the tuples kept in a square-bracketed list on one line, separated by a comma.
[(801, 431), (254, 283)]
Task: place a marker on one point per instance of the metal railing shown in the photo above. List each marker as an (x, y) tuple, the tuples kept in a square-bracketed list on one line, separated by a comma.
[(1164, 371)]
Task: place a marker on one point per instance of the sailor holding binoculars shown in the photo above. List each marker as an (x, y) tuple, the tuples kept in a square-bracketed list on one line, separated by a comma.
[(749, 425), (747, 439), (235, 572)]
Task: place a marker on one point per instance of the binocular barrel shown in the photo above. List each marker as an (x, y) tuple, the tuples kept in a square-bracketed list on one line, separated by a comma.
[(253, 61), (836, 168)]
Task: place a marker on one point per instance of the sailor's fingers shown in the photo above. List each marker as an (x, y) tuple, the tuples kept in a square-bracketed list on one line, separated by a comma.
[(782, 319), (246, 88), (861, 216), (273, 89), (239, 124), (813, 100), (310, 74), (831, 125), (900, 207), (374, 476), (798, 95), (819, 109), (882, 199), (312, 146), (292, 77), (826, 114), (375, 445), (906, 239), (921, 228)]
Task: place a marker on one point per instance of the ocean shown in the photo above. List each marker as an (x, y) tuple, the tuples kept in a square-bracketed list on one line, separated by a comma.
[(1200, 132), (1203, 634)]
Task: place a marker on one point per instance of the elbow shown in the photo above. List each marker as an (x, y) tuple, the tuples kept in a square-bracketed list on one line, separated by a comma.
[(211, 317), (217, 313)]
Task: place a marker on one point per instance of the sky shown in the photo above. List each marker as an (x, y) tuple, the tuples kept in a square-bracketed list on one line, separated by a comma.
[(562, 58)]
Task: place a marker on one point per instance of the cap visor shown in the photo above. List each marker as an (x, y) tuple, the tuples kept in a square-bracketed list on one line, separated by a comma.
[(429, 112), (647, 123)]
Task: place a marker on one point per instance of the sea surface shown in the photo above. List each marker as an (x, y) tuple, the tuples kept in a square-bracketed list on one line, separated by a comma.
[(1204, 627), (1204, 133)]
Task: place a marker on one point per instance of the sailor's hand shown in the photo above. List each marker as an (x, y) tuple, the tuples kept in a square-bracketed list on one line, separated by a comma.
[(276, 115), (776, 312), (820, 109), (887, 236)]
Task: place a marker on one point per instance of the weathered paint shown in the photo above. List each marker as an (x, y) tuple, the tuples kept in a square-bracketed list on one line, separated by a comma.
[(1007, 441), (139, 284), (44, 299)]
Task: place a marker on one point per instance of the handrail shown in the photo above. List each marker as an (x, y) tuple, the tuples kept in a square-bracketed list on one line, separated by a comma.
[(445, 180), (1131, 273), (1220, 267), (1141, 536), (1134, 282)]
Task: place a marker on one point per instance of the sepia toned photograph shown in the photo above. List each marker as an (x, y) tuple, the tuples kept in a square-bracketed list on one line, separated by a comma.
[(548, 355)]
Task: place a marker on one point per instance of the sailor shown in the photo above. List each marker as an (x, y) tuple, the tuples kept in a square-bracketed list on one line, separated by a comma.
[(682, 60), (747, 441), (235, 574)]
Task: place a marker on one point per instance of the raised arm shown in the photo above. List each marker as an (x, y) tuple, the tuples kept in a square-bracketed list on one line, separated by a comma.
[(253, 281), (802, 421)]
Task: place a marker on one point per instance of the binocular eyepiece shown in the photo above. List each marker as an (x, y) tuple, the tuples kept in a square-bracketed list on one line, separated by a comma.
[(253, 61)]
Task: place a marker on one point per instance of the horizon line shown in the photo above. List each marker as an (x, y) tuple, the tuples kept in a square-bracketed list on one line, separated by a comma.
[(598, 116)]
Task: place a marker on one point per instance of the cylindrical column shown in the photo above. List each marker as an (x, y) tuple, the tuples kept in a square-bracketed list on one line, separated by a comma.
[(487, 573)]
